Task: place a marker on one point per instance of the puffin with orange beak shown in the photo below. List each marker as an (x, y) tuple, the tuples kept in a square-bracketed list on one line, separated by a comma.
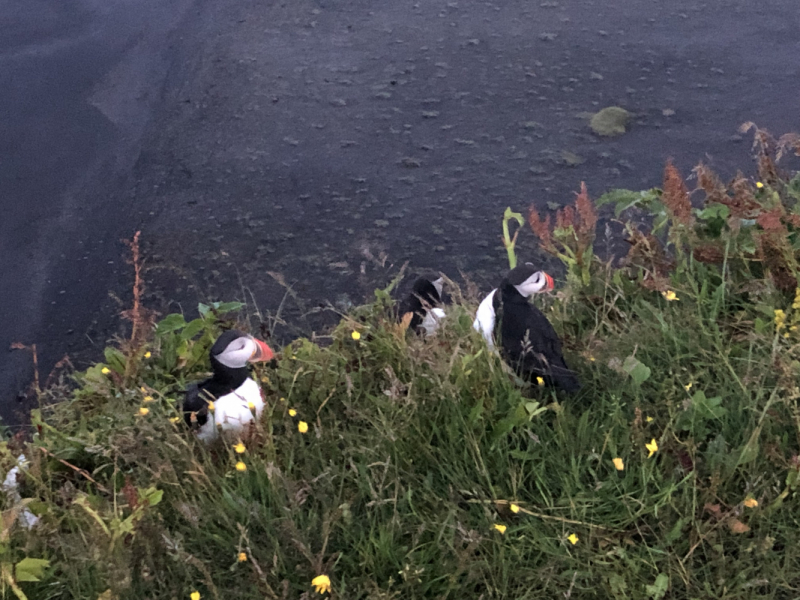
[(230, 399), (528, 342)]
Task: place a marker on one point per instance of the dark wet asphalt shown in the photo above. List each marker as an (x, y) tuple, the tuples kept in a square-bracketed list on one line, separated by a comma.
[(326, 143)]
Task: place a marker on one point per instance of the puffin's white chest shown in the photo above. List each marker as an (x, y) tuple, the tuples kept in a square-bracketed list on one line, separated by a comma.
[(485, 319), (232, 412), (431, 321)]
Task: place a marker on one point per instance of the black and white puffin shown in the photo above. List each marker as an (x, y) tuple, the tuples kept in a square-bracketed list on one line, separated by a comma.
[(528, 341), (235, 395), (423, 302)]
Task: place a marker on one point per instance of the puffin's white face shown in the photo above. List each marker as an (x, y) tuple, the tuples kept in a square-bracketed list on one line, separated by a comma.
[(243, 350), (438, 284), (535, 284)]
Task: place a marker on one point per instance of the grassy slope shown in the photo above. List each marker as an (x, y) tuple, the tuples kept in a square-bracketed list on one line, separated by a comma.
[(416, 449)]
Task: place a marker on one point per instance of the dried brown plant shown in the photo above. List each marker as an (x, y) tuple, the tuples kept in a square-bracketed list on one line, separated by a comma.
[(647, 253), (541, 228), (709, 182), (710, 254), (140, 317), (775, 255), (587, 216), (676, 195)]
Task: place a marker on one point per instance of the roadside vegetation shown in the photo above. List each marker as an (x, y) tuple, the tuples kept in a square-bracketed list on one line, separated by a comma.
[(389, 466)]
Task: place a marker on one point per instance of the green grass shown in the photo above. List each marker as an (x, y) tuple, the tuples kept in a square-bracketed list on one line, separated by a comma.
[(417, 448)]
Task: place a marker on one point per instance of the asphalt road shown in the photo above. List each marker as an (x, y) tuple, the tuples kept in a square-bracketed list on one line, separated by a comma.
[(325, 143)]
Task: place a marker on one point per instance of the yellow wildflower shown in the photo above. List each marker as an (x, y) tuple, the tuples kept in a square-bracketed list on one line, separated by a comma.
[(211, 406), (292, 412), (652, 447), (514, 508), (251, 405), (242, 557), (143, 389), (619, 464), (780, 319), (649, 419), (688, 386), (321, 583), (147, 354), (670, 295), (750, 502), (239, 448), (573, 539), (147, 399), (500, 528), (759, 185), (302, 426), (540, 381), (241, 467), (105, 370), (592, 359), (195, 595), (355, 335), (174, 419), (143, 410), (283, 399)]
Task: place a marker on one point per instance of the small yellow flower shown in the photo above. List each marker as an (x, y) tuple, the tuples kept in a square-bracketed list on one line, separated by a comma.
[(619, 464), (283, 400), (239, 448), (105, 370), (514, 508), (148, 354), (211, 406), (649, 419), (241, 467), (251, 405), (321, 583), (688, 386), (652, 447), (292, 412), (500, 528), (302, 426), (143, 389), (242, 557), (174, 419), (195, 595), (573, 539), (355, 335), (670, 295), (147, 399), (540, 381), (759, 185), (264, 379), (143, 410), (592, 359), (751, 502)]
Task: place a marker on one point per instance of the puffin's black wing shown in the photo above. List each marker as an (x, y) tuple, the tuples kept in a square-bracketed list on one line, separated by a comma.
[(534, 347), (195, 402)]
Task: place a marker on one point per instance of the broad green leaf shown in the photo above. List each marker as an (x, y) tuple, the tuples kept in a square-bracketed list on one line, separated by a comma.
[(659, 588), (171, 323), (30, 569), (638, 371)]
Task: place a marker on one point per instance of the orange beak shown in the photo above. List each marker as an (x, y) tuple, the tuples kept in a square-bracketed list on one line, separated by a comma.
[(550, 283), (263, 352)]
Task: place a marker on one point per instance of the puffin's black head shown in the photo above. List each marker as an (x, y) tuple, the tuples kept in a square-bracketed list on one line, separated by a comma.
[(528, 281), (428, 290), (234, 350)]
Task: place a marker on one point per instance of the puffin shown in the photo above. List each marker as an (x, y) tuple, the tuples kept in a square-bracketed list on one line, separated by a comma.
[(236, 396), (528, 342), (423, 303)]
